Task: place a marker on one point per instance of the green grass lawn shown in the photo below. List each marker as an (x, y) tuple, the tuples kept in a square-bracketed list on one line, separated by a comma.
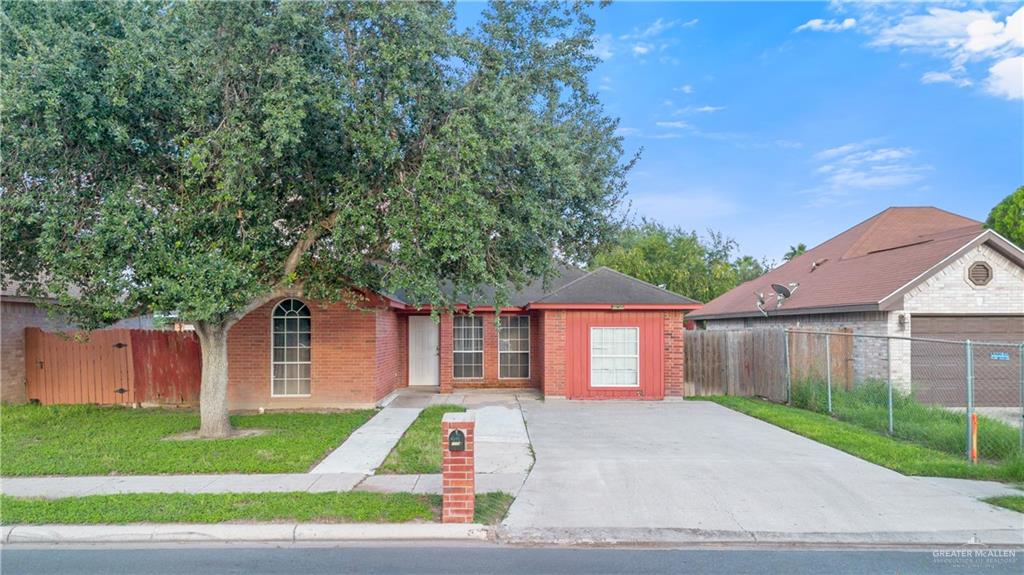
[(866, 405), (345, 507), (1014, 502), (92, 440), (419, 450), (902, 456)]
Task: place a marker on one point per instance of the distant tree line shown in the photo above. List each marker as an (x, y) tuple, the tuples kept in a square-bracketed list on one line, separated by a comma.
[(701, 268)]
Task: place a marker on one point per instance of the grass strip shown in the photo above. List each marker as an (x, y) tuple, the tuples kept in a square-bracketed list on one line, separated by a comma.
[(901, 456), (333, 507), (93, 440), (419, 449), (1012, 502)]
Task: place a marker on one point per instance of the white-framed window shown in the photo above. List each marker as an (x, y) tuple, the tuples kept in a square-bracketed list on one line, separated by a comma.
[(468, 346), (615, 357), (290, 361), (514, 347)]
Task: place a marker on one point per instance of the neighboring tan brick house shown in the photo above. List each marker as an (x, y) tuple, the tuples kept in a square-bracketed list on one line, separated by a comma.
[(911, 272), (588, 335)]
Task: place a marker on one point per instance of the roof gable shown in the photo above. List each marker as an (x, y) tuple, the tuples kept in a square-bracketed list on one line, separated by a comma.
[(858, 268)]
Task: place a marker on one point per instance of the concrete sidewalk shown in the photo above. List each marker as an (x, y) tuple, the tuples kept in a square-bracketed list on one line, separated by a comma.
[(367, 447), (55, 487)]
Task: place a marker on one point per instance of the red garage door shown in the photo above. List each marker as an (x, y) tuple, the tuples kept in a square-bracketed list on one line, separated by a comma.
[(614, 355)]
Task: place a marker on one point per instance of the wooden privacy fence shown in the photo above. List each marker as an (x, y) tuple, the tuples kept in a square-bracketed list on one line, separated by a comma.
[(115, 366), (752, 362)]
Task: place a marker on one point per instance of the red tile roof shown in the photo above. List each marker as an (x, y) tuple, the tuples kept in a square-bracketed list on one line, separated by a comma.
[(859, 267)]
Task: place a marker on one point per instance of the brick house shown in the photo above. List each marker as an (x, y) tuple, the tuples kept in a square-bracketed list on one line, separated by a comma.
[(587, 335), (911, 272)]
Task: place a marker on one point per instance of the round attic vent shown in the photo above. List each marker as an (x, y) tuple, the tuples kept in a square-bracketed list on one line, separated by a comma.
[(979, 273)]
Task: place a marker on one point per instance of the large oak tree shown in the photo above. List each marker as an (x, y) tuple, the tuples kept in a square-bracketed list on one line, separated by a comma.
[(204, 158)]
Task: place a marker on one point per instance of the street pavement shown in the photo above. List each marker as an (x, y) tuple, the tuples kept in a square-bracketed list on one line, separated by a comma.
[(443, 559)]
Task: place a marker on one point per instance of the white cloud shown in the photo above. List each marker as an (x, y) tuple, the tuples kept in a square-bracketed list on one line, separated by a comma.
[(625, 131), (656, 28), (641, 49), (819, 25), (676, 124), (854, 168), (1006, 79), (970, 41), (685, 88), (707, 109), (944, 78)]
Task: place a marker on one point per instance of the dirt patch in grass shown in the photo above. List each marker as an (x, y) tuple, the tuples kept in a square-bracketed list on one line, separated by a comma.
[(235, 434)]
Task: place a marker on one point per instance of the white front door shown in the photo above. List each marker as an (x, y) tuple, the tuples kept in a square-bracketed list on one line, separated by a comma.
[(423, 350)]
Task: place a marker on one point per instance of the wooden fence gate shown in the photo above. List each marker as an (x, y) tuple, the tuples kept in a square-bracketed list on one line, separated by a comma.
[(114, 366), (752, 362)]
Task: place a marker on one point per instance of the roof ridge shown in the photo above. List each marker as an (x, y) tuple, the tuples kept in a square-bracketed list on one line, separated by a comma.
[(547, 295), (665, 290), (881, 216)]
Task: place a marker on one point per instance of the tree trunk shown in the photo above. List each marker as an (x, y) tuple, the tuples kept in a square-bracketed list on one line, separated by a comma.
[(213, 391)]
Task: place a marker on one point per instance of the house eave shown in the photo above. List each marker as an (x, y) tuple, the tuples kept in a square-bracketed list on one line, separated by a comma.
[(615, 307), (854, 308)]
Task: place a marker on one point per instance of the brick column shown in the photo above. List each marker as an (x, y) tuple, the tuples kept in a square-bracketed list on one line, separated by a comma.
[(445, 351), (674, 354), (458, 472)]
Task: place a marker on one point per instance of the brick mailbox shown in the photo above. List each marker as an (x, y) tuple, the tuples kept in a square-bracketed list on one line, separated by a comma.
[(458, 470)]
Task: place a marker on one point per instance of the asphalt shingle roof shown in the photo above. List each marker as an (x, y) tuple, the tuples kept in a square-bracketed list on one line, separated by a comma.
[(861, 266)]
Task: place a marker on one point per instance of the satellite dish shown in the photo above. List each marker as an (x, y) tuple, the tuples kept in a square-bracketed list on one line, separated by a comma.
[(782, 293)]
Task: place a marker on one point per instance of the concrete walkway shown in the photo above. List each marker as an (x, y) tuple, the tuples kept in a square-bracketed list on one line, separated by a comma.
[(364, 450), (54, 487)]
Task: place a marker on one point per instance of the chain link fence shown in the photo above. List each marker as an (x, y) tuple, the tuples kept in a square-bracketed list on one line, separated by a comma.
[(964, 398)]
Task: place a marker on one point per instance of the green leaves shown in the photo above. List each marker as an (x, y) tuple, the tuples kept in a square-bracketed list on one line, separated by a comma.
[(699, 268), (176, 157), (1007, 217)]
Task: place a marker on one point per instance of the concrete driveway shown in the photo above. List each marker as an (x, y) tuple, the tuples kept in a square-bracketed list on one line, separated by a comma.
[(696, 471)]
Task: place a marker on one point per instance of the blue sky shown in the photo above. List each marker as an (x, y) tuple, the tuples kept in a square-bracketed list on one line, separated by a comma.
[(779, 123)]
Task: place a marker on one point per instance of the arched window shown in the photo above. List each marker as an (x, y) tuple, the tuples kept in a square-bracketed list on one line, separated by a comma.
[(290, 363)]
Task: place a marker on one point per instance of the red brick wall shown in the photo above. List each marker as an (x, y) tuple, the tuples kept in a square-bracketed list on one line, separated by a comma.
[(674, 353), (346, 369), (392, 347), (490, 379), (554, 353)]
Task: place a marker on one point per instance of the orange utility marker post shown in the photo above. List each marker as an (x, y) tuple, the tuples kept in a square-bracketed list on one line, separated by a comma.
[(974, 438), (458, 471)]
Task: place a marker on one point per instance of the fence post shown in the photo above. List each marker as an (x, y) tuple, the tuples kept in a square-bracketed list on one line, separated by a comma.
[(789, 376), (970, 394), (828, 371), (1020, 362)]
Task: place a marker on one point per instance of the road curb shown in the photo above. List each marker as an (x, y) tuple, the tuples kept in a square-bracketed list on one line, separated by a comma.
[(264, 532), (604, 537)]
